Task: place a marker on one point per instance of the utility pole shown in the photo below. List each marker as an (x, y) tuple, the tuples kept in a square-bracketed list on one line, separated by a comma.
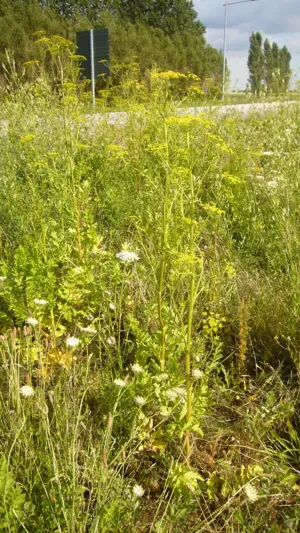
[(225, 39)]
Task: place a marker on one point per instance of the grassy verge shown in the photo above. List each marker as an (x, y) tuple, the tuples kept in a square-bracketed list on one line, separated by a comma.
[(149, 311)]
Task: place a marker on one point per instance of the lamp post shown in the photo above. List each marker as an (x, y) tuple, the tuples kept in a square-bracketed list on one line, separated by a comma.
[(224, 43)]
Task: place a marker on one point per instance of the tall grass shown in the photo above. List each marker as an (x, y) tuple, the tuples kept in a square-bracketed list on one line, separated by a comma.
[(155, 390)]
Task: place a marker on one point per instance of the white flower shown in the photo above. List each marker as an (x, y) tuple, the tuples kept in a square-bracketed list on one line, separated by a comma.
[(175, 393), (138, 491), (72, 342), (111, 341), (251, 492), (32, 321), (112, 306), (267, 153), (88, 330), (163, 377), (140, 400), (272, 184), (26, 391), (197, 374), (137, 369), (120, 382), (127, 257), (39, 301), (171, 394), (2, 278)]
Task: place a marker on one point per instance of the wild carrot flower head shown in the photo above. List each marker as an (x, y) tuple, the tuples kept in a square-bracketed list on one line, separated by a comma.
[(197, 374), (26, 391), (251, 492), (32, 321), (138, 491), (120, 382), (40, 301), (140, 400), (127, 257), (88, 329), (137, 369), (72, 342)]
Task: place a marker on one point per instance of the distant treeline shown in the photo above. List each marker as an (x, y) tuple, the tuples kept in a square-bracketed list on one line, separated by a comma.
[(269, 66), (162, 33)]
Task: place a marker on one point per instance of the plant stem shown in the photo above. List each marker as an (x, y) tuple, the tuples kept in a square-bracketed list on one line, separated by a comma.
[(189, 386), (164, 243)]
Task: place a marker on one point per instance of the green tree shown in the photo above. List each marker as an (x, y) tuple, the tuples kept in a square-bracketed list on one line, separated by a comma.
[(256, 63), (285, 68), (268, 65)]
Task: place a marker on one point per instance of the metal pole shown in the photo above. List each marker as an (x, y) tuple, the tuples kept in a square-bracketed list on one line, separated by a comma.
[(224, 52), (92, 65)]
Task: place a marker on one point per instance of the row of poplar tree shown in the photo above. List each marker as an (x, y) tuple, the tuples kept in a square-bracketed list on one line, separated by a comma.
[(269, 66)]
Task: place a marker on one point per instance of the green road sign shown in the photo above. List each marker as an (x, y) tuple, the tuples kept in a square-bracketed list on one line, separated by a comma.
[(94, 46)]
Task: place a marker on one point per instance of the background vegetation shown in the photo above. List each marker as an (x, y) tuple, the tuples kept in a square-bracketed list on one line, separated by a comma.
[(165, 34), (149, 312), (269, 66)]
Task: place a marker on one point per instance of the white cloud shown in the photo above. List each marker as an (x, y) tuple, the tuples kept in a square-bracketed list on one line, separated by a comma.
[(277, 20)]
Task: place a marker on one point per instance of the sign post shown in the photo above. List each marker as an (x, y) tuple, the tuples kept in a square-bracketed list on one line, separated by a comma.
[(94, 46), (92, 65)]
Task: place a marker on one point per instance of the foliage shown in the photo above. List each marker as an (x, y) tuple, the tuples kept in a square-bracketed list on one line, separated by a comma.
[(149, 309), (173, 42), (256, 63), (270, 64)]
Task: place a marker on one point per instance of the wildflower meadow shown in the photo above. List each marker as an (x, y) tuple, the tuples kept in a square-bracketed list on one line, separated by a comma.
[(149, 309)]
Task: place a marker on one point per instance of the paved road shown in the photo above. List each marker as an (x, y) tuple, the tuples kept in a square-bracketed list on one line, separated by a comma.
[(119, 118)]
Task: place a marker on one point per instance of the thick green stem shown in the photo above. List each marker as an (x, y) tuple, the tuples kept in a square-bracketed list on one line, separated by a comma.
[(188, 362), (164, 243)]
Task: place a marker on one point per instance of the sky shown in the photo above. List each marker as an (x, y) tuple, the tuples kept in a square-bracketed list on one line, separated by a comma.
[(277, 20)]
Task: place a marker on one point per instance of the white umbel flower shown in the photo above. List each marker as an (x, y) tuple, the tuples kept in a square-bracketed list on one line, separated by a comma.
[(251, 492), (176, 392), (163, 377), (272, 184), (127, 257), (197, 374), (92, 331), (40, 301), (112, 306), (140, 400), (120, 382), (26, 391), (137, 369), (32, 321), (2, 278), (138, 491), (72, 342), (111, 341)]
